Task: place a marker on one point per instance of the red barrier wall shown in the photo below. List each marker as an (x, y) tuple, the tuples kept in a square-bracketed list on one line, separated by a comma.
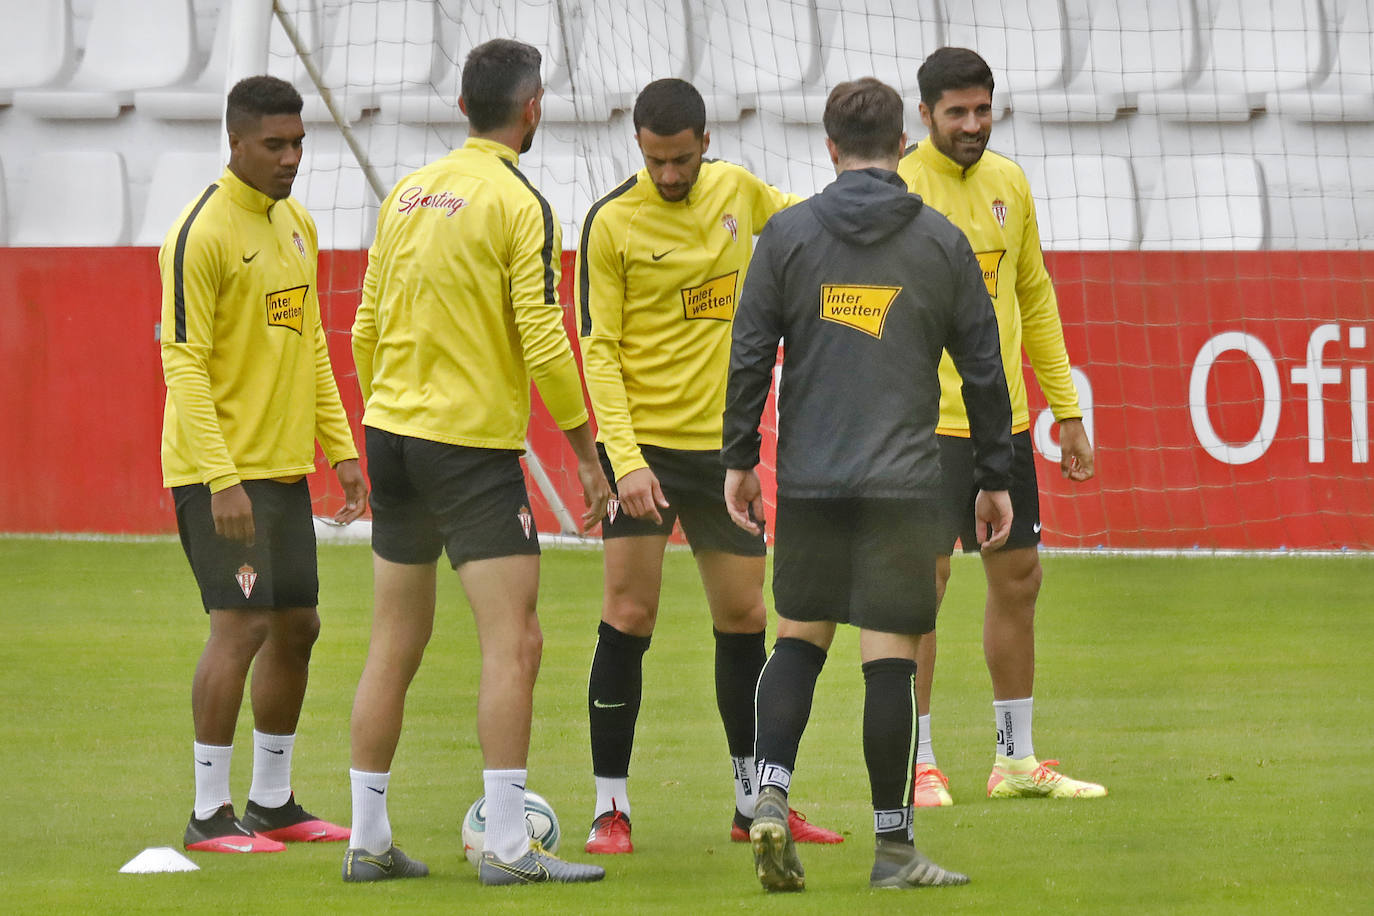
[(1284, 339)]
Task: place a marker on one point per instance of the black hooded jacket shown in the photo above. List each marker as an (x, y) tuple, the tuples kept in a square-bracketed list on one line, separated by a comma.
[(864, 285)]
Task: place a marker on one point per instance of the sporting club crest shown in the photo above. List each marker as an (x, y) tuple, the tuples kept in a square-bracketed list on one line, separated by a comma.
[(999, 210), (300, 242), (729, 222), (612, 509), (247, 578), (526, 520)]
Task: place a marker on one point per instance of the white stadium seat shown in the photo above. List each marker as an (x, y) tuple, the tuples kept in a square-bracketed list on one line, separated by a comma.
[(73, 199), (887, 39), (4, 209), (178, 177), (754, 49), (1118, 49), (131, 44), (1022, 41), (35, 44), (1084, 203), (1252, 48), (1346, 90), (202, 98), (1206, 202)]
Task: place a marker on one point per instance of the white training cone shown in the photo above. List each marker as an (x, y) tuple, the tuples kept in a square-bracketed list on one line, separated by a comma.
[(158, 859)]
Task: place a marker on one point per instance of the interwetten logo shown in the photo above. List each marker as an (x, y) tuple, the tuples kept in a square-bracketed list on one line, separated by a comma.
[(414, 197), (286, 308), (714, 299), (863, 308)]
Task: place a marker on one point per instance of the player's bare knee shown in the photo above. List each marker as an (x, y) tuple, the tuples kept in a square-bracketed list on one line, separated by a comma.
[(630, 615)]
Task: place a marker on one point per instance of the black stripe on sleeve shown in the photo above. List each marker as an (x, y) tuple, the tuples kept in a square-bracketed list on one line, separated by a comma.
[(909, 150), (178, 265), (583, 283), (550, 292)]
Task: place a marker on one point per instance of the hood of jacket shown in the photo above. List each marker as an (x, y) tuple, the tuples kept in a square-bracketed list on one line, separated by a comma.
[(866, 206)]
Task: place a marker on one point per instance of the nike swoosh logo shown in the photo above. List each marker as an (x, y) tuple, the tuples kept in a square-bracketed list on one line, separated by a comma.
[(249, 257), (660, 257), (204, 763), (272, 750), (319, 833), (378, 791), (237, 847), (600, 705), (538, 873), (1036, 528), (517, 786)]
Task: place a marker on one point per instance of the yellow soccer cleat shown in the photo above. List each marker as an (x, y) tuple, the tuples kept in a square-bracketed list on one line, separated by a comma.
[(931, 787), (1030, 778)]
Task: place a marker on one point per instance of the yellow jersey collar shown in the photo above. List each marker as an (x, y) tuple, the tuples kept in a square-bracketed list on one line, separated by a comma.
[(493, 147), (934, 159), (244, 194)]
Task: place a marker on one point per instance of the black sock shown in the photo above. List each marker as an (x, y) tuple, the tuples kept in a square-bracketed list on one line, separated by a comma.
[(889, 743), (613, 694), (739, 659), (786, 687)]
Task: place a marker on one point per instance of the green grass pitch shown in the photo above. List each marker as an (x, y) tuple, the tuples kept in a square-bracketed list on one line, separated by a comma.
[(1225, 701)]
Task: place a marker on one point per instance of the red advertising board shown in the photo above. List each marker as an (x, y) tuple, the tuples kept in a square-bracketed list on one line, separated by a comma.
[(1227, 395)]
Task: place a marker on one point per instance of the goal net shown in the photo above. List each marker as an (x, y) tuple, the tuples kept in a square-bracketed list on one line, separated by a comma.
[(1201, 168)]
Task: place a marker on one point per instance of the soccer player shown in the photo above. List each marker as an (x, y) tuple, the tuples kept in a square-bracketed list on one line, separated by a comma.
[(249, 389), (659, 266), (459, 312), (866, 285), (987, 196)]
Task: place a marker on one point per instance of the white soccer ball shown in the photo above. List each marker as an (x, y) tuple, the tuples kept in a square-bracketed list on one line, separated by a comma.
[(540, 822)]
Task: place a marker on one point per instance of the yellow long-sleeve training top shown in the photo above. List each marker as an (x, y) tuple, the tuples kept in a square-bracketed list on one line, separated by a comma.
[(657, 283), (460, 306), (249, 383), (991, 202)]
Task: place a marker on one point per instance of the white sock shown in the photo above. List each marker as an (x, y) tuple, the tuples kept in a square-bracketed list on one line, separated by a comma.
[(271, 786), (612, 793), (212, 777), (1014, 728), (507, 835), (924, 752), (746, 784), (371, 826)]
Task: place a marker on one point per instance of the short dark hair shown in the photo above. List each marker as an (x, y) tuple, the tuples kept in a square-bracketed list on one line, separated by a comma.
[(257, 96), (952, 68), (863, 118), (499, 76), (670, 106)]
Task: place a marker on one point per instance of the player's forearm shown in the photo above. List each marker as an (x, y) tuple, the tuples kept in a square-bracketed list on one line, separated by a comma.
[(611, 404), (561, 389)]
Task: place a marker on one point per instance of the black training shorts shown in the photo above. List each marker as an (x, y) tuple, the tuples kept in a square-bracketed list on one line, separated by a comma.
[(694, 484), (958, 494), (278, 571), (430, 497), (866, 562)]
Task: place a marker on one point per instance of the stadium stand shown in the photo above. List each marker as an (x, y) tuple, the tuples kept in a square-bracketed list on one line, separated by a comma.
[(75, 199), (131, 44), (334, 190), (641, 41)]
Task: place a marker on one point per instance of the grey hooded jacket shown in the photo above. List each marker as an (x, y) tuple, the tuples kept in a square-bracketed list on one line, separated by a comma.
[(864, 285)]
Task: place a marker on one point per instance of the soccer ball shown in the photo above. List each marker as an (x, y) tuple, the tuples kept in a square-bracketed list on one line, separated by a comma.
[(540, 821)]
